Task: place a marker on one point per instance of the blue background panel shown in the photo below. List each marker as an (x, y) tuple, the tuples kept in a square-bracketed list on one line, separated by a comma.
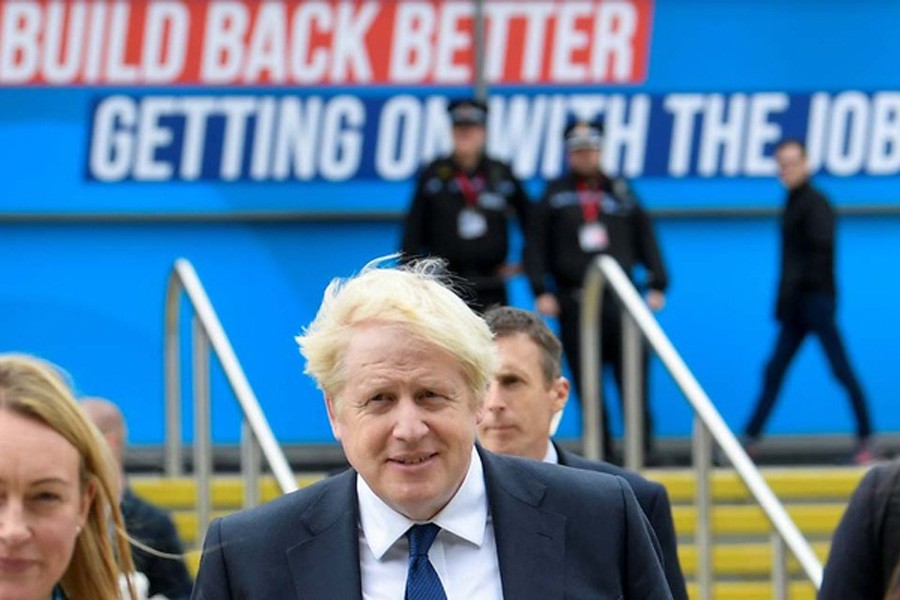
[(90, 297)]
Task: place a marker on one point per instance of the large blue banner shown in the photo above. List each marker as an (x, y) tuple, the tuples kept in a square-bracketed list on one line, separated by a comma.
[(290, 138), (333, 106)]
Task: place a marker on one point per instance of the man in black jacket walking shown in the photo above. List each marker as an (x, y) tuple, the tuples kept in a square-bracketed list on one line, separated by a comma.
[(806, 294)]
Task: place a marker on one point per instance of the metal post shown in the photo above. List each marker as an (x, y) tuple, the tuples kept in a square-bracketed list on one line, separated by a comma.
[(236, 377), (478, 42), (172, 379), (702, 451), (607, 270), (632, 393), (249, 465), (779, 568), (591, 369), (202, 437)]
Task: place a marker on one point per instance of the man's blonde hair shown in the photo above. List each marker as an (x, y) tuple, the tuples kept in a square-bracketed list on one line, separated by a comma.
[(413, 296)]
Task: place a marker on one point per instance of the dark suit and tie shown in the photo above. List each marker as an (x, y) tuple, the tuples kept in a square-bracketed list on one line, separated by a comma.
[(561, 533), (422, 581), (529, 393), (654, 501), (404, 366)]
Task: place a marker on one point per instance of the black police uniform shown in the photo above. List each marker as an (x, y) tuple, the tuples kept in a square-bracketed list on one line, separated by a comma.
[(463, 218), (576, 220)]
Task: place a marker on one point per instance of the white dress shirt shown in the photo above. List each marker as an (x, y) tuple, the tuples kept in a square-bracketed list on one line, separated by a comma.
[(464, 554), (552, 455)]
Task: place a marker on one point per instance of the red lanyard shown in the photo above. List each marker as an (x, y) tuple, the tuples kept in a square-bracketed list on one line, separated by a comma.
[(470, 187), (590, 201)]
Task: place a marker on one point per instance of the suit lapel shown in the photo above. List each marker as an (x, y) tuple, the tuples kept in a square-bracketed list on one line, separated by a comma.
[(325, 563), (530, 541), (562, 457)]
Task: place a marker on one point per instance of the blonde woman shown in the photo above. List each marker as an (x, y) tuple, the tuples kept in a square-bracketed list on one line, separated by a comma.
[(58, 501)]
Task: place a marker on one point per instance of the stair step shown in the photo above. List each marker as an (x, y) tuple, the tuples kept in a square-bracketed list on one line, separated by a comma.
[(227, 491), (787, 483), (192, 560), (813, 519), (187, 525), (741, 559), (754, 590)]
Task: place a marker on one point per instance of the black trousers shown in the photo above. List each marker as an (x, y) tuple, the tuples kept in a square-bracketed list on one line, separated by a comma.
[(814, 315), (610, 355)]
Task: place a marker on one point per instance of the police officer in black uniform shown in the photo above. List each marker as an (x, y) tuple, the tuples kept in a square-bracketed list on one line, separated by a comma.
[(583, 214), (461, 210)]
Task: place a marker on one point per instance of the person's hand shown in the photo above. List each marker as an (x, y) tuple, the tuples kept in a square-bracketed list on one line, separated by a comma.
[(656, 300), (547, 304)]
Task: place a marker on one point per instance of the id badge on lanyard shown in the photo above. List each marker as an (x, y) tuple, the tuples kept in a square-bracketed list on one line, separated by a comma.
[(592, 235), (471, 222)]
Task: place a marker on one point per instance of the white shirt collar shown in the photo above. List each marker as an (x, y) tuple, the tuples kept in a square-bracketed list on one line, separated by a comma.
[(552, 455), (466, 515)]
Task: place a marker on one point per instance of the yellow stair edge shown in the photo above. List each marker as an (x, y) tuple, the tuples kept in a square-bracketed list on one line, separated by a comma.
[(786, 482), (187, 524), (754, 590), (227, 491), (192, 561), (742, 558), (811, 518)]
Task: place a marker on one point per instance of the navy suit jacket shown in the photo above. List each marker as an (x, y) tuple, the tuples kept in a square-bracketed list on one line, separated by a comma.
[(654, 500), (560, 532)]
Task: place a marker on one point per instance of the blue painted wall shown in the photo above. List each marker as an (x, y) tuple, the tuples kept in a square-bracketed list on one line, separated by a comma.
[(90, 297)]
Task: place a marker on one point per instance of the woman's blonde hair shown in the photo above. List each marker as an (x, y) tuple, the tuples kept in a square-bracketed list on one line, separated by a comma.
[(413, 296), (35, 389)]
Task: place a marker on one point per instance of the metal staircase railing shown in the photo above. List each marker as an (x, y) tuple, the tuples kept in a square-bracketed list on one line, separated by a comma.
[(709, 427), (207, 332)]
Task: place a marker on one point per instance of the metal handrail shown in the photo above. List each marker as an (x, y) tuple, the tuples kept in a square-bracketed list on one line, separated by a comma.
[(207, 331), (708, 421)]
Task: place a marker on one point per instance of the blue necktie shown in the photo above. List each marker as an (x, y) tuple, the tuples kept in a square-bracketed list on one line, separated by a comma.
[(422, 582)]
